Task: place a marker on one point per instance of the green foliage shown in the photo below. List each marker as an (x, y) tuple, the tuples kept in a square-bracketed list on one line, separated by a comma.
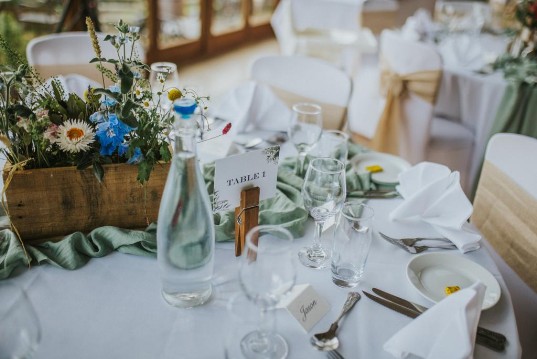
[(12, 30)]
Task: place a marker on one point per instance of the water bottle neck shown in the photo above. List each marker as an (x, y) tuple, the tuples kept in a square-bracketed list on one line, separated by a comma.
[(185, 135)]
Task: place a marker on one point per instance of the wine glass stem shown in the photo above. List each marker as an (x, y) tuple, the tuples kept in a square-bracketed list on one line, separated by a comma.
[(300, 164), (316, 248)]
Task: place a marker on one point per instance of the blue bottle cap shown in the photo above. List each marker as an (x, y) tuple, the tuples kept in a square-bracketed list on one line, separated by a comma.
[(185, 107)]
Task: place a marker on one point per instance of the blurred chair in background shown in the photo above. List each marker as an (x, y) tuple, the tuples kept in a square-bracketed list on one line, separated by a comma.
[(392, 107), (303, 79), (69, 53), (505, 209), (329, 30)]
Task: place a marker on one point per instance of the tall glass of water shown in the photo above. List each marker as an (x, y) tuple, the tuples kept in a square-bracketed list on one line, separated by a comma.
[(305, 130), (352, 240), (324, 192)]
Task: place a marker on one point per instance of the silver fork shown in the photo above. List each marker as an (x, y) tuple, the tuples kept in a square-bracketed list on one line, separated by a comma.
[(410, 246), (334, 354)]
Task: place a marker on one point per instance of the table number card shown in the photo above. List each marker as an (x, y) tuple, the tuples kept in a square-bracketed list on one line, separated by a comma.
[(305, 305), (251, 169)]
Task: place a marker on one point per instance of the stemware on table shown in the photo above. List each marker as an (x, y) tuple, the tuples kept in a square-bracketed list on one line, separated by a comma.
[(333, 143), (305, 130), (267, 272), (324, 192), (20, 331), (162, 78)]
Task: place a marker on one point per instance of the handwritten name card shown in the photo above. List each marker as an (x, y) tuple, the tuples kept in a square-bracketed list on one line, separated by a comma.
[(305, 305)]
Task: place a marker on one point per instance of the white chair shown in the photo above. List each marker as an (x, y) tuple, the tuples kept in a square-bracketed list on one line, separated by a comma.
[(329, 30), (505, 209), (422, 137), (299, 78), (70, 53)]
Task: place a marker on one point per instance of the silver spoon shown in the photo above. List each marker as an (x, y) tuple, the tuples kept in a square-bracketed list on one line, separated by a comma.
[(328, 341)]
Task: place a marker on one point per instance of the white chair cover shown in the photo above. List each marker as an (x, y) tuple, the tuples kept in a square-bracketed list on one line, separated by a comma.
[(295, 78), (69, 53), (423, 137)]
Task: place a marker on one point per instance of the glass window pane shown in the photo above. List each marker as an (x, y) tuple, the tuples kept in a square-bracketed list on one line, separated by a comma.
[(180, 22), (227, 16), (261, 12)]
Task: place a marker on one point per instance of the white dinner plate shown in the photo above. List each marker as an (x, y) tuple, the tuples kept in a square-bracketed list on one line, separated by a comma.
[(430, 273), (391, 165)]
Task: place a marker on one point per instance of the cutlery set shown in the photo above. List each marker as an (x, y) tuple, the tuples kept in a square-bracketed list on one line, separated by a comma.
[(329, 342), (412, 246)]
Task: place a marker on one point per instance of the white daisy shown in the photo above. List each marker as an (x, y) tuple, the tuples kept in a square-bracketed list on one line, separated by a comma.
[(161, 78), (147, 104), (75, 136), (138, 92)]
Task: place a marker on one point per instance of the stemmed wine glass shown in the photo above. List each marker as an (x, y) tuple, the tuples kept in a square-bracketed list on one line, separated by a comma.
[(20, 331), (162, 78), (267, 272), (324, 192), (305, 130)]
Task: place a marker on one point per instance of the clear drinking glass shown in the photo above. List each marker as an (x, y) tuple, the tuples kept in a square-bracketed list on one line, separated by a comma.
[(305, 130), (333, 143), (20, 331), (324, 192), (267, 272), (163, 77), (352, 240)]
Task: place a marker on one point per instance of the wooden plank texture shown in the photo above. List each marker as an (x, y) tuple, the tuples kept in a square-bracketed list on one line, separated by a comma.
[(45, 203)]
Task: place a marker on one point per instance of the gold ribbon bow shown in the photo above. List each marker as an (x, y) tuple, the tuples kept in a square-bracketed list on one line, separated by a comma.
[(395, 87)]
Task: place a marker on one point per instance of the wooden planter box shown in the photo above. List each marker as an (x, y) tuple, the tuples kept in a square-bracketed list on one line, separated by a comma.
[(51, 202)]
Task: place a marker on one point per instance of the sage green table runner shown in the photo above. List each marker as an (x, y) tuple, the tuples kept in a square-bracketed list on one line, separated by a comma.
[(75, 250)]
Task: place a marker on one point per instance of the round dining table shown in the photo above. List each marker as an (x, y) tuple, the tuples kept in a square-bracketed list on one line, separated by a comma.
[(112, 307)]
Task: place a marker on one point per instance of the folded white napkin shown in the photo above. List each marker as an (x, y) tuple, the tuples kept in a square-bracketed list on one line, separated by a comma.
[(253, 106), (433, 194), (445, 331), (418, 26)]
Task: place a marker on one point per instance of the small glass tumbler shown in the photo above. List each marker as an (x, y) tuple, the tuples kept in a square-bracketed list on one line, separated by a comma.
[(352, 239)]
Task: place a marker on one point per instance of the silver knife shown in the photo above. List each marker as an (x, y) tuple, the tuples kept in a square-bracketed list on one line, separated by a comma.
[(485, 337)]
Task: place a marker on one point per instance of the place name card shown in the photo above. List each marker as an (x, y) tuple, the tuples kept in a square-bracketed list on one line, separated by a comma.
[(305, 305), (251, 169)]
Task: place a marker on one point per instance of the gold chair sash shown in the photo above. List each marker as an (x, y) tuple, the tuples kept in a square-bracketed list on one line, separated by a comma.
[(395, 87), (505, 214), (333, 115)]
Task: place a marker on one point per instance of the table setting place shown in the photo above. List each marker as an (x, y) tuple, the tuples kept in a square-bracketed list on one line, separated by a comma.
[(387, 267)]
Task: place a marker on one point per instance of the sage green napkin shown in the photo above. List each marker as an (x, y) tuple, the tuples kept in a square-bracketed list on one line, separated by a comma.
[(75, 250)]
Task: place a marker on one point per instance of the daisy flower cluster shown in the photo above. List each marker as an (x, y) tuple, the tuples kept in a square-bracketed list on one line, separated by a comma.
[(44, 126)]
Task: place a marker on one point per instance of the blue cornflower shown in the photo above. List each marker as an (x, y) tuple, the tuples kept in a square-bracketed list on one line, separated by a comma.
[(111, 134), (97, 117)]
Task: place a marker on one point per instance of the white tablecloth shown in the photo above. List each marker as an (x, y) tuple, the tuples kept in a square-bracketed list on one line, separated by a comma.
[(473, 98), (326, 14), (112, 307)]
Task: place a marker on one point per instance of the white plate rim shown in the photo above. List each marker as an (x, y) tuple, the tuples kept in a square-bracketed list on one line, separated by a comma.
[(381, 157), (493, 289)]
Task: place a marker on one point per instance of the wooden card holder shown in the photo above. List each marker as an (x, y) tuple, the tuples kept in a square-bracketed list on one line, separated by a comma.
[(246, 217)]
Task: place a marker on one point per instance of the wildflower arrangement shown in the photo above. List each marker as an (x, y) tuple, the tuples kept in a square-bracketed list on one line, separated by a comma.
[(43, 126)]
